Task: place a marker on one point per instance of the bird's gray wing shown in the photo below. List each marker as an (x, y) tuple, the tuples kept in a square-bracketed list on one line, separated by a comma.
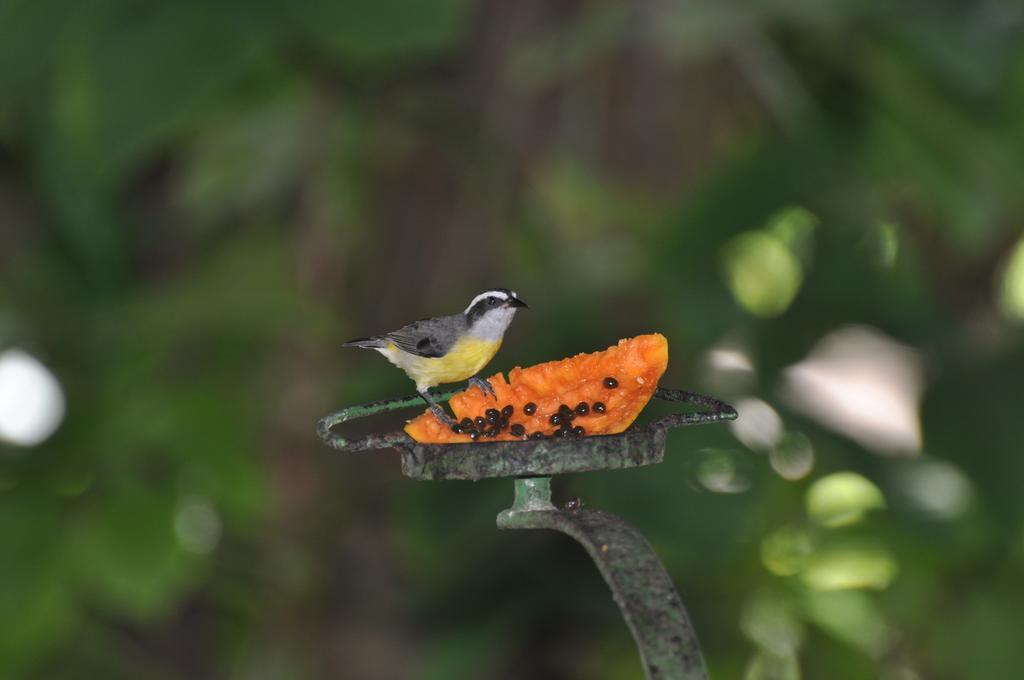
[(429, 337)]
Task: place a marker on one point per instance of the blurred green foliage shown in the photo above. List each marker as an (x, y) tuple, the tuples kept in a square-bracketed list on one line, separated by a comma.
[(199, 201)]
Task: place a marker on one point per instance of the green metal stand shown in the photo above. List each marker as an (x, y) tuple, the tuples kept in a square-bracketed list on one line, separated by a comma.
[(640, 586), (639, 583)]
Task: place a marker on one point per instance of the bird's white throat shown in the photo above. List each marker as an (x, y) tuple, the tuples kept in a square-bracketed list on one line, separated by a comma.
[(493, 324)]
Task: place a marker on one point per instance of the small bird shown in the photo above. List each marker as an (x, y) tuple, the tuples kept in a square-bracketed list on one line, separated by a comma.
[(448, 349)]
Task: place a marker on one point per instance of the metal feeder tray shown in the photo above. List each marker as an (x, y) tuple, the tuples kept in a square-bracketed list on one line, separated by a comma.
[(640, 586)]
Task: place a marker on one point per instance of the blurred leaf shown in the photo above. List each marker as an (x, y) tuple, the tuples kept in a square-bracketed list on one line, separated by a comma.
[(1012, 292), (850, 616), (846, 564), (842, 498), (36, 597), (768, 666), (787, 550), (249, 160), (126, 79), (142, 73), (770, 621), (363, 33), (126, 555)]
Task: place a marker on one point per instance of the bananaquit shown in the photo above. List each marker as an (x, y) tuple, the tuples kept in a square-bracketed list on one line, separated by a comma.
[(448, 349)]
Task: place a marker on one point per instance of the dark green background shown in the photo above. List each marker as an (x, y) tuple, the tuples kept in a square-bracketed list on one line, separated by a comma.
[(199, 201)]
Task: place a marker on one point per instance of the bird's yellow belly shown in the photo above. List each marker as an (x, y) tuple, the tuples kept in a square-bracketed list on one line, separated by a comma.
[(463, 360)]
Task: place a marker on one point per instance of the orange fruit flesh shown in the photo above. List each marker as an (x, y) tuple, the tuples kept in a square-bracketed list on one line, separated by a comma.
[(635, 363)]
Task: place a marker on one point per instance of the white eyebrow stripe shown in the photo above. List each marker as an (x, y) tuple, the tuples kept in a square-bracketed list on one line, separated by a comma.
[(486, 294)]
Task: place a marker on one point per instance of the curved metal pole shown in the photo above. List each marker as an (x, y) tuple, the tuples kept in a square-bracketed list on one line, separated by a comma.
[(640, 585)]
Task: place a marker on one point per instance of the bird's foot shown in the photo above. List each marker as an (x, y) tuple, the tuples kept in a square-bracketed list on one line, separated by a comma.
[(437, 409), (441, 415), (484, 385)]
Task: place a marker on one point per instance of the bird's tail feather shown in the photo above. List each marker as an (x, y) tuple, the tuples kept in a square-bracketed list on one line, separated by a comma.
[(370, 343)]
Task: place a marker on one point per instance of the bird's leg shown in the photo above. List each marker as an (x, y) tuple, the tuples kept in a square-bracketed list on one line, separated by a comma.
[(484, 385), (436, 409)]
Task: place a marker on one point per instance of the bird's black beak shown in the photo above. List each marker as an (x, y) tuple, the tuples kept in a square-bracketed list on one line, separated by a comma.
[(516, 302)]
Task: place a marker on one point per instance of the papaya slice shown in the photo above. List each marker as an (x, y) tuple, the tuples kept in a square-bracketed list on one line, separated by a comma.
[(597, 393)]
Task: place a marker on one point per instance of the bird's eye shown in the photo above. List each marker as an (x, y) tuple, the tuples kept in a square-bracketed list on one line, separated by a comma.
[(492, 301)]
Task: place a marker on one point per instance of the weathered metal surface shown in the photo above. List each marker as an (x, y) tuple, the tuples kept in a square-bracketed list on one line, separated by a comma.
[(639, 445), (531, 494), (371, 442), (533, 457), (639, 584)]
